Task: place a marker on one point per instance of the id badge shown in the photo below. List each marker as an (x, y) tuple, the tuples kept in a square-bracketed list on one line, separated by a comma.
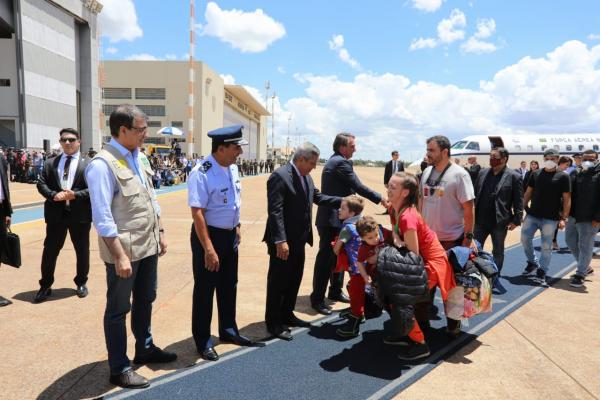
[(440, 191)]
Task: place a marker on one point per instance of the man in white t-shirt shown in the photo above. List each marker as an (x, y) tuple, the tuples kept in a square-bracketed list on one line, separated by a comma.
[(447, 207)]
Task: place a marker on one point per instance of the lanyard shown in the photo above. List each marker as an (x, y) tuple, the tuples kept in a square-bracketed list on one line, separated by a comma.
[(439, 179)]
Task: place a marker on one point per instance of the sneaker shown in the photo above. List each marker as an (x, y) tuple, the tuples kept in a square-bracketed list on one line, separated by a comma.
[(397, 340), (589, 271), (530, 268), (347, 313), (576, 281), (540, 277), (351, 328), (497, 287), (414, 351)]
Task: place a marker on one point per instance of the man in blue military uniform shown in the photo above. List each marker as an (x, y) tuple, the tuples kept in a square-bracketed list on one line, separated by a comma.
[(214, 194)]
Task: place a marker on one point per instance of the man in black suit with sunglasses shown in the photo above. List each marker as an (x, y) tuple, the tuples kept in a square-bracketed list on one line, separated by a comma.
[(67, 208)]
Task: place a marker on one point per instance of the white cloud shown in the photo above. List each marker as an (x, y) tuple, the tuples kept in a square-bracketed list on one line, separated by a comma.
[(118, 21), (170, 56), (486, 27), (250, 32), (427, 5), (281, 70), (421, 43), (450, 29), (228, 79), (477, 46), (593, 36), (142, 57), (112, 50), (558, 93), (337, 44)]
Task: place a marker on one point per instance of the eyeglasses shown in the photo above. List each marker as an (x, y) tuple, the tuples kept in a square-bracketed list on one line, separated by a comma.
[(70, 140), (140, 129)]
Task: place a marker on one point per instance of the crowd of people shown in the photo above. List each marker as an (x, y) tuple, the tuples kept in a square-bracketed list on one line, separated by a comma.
[(399, 265), (255, 167)]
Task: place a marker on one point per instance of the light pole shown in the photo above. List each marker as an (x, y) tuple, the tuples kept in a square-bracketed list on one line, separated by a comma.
[(267, 87), (287, 146), (273, 125)]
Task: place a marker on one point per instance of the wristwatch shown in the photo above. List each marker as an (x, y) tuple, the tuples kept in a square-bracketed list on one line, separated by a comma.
[(469, 235)]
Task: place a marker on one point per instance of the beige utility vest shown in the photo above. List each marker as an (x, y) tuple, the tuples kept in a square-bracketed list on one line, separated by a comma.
[(132, 208)]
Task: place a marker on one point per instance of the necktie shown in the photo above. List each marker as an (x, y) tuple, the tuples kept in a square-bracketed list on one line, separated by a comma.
[(394, 167), (305, 185), (65, 176)]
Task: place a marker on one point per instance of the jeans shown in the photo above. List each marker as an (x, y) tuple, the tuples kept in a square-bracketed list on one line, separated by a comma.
[(580, 238), (546, 227), (498, 234), (142, 283)]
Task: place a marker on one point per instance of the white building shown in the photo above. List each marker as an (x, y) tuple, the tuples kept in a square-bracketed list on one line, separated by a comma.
[(48, 71)]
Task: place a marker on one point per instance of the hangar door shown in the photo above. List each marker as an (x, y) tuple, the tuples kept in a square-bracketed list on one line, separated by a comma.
[(250, 131)]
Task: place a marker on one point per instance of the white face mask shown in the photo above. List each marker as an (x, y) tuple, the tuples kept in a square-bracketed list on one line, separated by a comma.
[(549, 164), (587, 164)]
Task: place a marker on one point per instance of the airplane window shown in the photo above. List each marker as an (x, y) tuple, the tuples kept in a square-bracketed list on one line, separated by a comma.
[(473, 146), (518, 147), (557, 147), (544, 147), (569, 147), (459, 145), (529, 147), (581, 147), (596, 147)]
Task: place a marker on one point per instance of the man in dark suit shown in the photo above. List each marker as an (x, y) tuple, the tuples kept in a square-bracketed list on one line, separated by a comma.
[(67, 208), (5, 212), (291, 194), (337, 179), (393, 166), (498, 204), (473, 169)]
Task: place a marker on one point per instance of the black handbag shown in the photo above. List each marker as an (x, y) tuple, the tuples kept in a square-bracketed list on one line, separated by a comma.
[(11, 253)]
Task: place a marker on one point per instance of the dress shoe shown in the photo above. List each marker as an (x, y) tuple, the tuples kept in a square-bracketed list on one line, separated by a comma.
[(283, 335), (236, 339), (321, 308), (42, 294), (82, 291), (209, 354), (295, 321), (341, 297), (155, 355), (129, 380), (4, 302)]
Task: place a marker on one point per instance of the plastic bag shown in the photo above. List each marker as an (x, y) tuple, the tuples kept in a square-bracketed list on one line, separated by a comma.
[(464, 302)]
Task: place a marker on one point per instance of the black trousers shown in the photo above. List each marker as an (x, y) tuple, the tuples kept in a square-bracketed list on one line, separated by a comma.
[(498, 234), (224, 282), (324, 266), (2, 229), (56, 233), (283, 283)]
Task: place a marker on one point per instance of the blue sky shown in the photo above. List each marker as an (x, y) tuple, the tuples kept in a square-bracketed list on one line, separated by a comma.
[(320, 56)]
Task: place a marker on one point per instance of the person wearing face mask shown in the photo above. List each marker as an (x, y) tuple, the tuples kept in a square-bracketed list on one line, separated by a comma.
[(498, 205), (549, 191), (584, 218)]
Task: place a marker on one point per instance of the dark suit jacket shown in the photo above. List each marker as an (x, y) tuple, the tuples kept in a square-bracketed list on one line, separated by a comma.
[(49, 185), (6, 206), (387, 174), (290, 209), (338, 179), (508, 195)]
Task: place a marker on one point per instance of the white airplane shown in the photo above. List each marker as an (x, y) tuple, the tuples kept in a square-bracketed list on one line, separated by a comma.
[(520, 147)]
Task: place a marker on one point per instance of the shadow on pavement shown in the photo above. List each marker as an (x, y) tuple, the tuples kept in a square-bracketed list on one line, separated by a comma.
[(57, 294), (89, 380)]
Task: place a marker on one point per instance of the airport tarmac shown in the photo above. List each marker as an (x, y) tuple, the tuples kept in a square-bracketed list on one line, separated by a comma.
[(547, 349)]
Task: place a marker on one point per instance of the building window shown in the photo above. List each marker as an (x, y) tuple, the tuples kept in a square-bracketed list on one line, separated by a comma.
[(107, 109), (153, 110), (5, 82), (154, 124), (177, 124), (151, 93), (107, 122), (116, 93)]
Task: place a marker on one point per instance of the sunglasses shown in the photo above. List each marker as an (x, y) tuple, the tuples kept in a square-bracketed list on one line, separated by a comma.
[(70, 140)]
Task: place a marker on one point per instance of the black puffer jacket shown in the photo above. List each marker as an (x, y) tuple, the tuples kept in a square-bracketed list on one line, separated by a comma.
[(401, 277)]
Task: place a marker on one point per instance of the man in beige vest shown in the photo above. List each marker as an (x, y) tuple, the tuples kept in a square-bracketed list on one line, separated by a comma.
[(127, 217)]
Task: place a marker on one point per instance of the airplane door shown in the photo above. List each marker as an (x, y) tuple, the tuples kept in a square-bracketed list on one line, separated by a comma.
[(496, 141)]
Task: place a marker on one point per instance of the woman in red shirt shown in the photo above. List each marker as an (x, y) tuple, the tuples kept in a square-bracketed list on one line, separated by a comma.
[(411, 231)]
